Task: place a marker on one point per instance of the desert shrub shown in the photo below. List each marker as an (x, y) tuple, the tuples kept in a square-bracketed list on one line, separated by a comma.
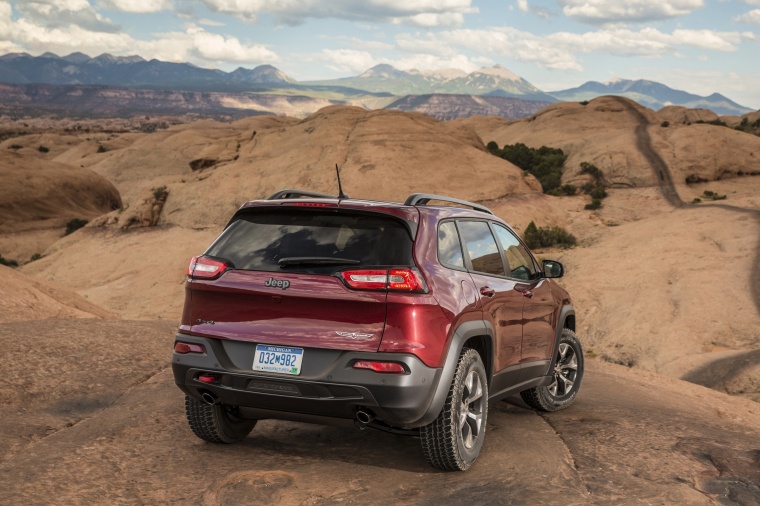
[(715, 122), (43, 149), (160, 192), (665, 124), (568, 189), (544, 163), (592, 170), (710, 195), (544, 237), (585, 102), (15, 147), (598, 193), (7, 262), (36, 256), (102, 149), (74, 224), (696, 200), (594, 205)]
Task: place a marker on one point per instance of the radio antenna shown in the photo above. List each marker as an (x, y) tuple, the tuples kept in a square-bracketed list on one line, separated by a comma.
[(341, 195)]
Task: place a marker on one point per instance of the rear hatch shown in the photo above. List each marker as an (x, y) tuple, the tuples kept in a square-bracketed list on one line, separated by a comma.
[(286, 275)]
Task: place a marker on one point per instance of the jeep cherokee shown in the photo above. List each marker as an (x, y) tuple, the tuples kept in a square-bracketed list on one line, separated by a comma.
[(407, 318)]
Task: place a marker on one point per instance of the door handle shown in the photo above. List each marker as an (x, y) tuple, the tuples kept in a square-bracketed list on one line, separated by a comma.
[(487, 291)]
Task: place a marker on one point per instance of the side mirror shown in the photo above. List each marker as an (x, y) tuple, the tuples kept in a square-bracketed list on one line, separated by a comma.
[(553, 269)]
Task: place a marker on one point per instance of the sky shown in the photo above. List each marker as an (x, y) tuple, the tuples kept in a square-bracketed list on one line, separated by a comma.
[(700, 46)]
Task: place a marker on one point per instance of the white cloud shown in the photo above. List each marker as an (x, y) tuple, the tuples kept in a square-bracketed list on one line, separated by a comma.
[(426, 13), (61, 13), (347, 60), (538, 11), (137, 6), (561, 50), (752, 16), (616, 11), (194, 44), (752, 2)]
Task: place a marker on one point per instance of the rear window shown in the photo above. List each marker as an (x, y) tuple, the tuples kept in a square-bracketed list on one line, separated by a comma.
[(260, 240)]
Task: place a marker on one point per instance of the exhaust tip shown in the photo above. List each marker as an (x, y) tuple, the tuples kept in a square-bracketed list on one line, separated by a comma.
[(210, 398), (364, 417)]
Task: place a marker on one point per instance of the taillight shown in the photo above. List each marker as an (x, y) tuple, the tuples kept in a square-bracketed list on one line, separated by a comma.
[(204, 267), (183, 348), (400, 280), (366, 279), (406, 280), (382, 367)]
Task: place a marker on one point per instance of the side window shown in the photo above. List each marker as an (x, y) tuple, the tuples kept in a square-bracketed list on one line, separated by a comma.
[(517, 256), (481, 247), (449, 248)]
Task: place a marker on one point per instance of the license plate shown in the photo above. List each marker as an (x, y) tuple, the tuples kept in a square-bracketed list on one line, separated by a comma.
[(279, 359)]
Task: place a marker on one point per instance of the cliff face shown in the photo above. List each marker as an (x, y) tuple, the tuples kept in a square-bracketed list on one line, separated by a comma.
[(448, 107)]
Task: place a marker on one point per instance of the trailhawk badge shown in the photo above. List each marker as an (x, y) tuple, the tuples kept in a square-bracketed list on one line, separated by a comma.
[(354, 335)]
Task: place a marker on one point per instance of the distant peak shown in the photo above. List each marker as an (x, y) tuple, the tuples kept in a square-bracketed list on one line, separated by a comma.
[(48, 54), (383, 71), (499, 71)]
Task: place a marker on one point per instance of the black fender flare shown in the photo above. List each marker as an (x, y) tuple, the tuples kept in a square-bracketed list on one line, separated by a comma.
[(563, 314), (461, 335)]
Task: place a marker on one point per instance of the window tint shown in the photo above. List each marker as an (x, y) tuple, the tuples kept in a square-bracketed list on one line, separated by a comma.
[(518, 258), (258, 240), (481, 247), (449, 248)]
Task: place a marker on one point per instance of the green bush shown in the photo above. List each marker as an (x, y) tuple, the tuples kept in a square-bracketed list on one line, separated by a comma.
[(585, 102), (665, 124), (696, 200), (710, 195), (43, 149), (545, 237), (74, 224), (598, 193), (159, 192), (102, 149), (592, 170), (568, 189), (36, 256), (544, 163), (9, 263), (15, 147), (594, 205)]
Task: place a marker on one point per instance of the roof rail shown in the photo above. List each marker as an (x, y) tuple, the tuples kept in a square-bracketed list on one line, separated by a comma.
[(421, 199), (297, 194)]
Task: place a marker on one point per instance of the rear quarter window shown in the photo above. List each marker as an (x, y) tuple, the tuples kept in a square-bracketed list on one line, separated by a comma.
[(259, 240)]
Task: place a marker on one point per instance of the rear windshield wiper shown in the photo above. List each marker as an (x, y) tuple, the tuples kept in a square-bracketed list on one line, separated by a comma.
[(288, 261)]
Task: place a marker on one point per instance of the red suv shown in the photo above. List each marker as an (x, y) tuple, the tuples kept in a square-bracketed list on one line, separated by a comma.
[(407, 318)]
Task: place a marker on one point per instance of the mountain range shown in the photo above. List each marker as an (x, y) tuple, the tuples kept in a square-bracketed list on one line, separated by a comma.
[(492, 90)]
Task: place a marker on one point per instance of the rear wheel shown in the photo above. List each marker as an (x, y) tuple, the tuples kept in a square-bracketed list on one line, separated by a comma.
[(567, 373), (217, 423), (453, 441)]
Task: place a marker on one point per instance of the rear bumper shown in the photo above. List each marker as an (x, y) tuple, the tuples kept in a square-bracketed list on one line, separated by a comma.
[(327, 388)]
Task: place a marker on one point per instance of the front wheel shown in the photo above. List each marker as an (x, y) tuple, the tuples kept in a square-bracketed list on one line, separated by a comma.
[(567, 373), (217, 423), (453, 441)]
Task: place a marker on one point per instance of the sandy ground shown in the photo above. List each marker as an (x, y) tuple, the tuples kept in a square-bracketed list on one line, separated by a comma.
[(110, 430)]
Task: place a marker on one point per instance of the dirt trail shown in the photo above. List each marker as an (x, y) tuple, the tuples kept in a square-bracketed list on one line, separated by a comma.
[(668, 189)]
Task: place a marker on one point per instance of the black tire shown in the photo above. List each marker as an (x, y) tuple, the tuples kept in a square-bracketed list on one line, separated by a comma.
[(216, 424), (453, 441), (567, 370)]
